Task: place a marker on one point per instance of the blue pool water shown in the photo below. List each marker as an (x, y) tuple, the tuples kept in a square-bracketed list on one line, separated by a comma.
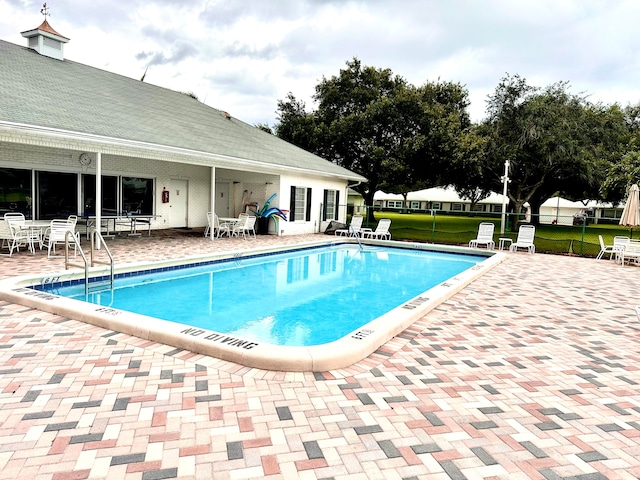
[(298, 298)]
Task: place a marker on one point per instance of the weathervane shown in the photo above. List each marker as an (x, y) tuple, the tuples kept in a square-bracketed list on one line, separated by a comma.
[(45, 11)]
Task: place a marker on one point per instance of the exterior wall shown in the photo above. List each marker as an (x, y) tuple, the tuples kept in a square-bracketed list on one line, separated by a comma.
[(58, 160), (242, 191), (318, 185)]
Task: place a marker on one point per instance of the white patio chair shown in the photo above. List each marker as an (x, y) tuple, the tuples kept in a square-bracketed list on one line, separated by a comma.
[(246, 224), (526, 235), (15, 218), (12, 237), (381, 231), (604, 249), (630, 252), (484, 237), (207, 230), (56, 235), (619, 244), (354, 228)]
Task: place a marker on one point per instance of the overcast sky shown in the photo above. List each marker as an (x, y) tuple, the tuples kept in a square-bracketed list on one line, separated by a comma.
[(242, 56)]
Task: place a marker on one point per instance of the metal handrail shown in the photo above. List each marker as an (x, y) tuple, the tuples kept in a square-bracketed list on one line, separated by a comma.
[(356, 234), (68, 264), (93, 233)]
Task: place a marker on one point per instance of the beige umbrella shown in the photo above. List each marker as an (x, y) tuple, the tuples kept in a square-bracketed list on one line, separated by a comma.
[(631, 213)]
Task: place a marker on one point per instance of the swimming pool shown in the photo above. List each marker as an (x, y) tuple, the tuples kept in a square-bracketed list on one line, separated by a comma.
[(296, 298), (286, 279)]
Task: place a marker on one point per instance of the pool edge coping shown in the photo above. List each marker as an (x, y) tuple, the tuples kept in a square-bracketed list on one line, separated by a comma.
[(340, 353)]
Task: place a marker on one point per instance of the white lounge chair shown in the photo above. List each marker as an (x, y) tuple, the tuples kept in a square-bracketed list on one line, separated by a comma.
[(354, 229), (381, 231), (485, 236), (526, 235)]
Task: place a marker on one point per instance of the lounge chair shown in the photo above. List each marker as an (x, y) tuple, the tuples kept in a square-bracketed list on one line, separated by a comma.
[(354, 228), (381, 231), (485, 236), (618, 245), (526, 235)]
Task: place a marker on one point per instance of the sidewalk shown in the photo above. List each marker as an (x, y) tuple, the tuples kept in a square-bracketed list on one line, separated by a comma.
[(533, 371)]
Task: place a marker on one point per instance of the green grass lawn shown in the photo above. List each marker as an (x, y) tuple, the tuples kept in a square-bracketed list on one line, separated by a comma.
[(459, 230)]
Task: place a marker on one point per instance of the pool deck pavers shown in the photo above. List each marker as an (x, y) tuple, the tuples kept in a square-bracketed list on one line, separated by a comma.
[(531, 372)]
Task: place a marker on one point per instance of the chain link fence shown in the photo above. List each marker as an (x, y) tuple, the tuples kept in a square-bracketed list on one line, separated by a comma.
[(557, 234)]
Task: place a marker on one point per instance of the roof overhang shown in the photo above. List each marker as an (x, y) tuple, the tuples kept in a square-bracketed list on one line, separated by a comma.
[(11, 132)]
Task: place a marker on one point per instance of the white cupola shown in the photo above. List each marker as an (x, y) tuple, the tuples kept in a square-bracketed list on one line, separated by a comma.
[(46, 41)]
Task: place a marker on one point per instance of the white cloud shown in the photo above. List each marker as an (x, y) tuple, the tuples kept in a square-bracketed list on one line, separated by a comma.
[(245, 55)]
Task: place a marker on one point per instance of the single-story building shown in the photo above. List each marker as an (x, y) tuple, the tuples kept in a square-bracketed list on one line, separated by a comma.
[(560, 211), (79, 140), (437, 199)]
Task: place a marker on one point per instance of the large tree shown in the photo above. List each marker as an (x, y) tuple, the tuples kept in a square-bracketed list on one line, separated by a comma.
[(376, 124), (555, 141), (625, 170)]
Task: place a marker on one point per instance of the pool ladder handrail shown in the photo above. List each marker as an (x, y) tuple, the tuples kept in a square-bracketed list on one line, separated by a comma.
[(93, 233), (357, 235)]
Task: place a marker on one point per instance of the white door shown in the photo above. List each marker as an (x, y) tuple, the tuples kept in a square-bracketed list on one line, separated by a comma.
[(222, 199), (179, 193)]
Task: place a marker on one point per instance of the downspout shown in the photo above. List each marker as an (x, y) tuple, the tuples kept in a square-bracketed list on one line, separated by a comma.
[(346, 199)]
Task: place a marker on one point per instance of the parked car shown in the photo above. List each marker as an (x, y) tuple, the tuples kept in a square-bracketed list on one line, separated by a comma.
[(581, 218)]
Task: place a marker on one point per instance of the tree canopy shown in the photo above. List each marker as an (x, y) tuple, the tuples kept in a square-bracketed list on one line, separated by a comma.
[(555, 141), (375, 123), (403, 138)]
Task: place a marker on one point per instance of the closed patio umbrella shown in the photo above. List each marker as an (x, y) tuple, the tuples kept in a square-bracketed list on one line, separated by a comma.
[(631, 213)]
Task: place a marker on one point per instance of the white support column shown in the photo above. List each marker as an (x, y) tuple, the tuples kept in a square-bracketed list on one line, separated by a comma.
[(212, 206), (98, 195)]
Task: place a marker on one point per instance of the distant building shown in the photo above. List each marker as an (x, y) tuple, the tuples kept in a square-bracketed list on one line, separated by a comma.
[(560, 211), (437, 199)]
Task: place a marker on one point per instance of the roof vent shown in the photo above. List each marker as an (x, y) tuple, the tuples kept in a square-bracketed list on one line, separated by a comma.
[(45, 40), (226, 115)]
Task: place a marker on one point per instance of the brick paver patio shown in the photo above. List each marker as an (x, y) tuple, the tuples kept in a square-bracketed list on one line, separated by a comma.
[(533, 371)]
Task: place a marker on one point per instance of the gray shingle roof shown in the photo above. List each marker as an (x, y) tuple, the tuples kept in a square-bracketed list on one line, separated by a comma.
[(44, 92)]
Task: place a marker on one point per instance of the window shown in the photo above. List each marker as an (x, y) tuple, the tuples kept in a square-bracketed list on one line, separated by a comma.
[(394, 203), (457, 207), (495, 208), (137, 195), (415, 205), (57, 195), (15, 191), (436, 206), (109, 195), (330, 205), (478, 207), (300, 204)]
